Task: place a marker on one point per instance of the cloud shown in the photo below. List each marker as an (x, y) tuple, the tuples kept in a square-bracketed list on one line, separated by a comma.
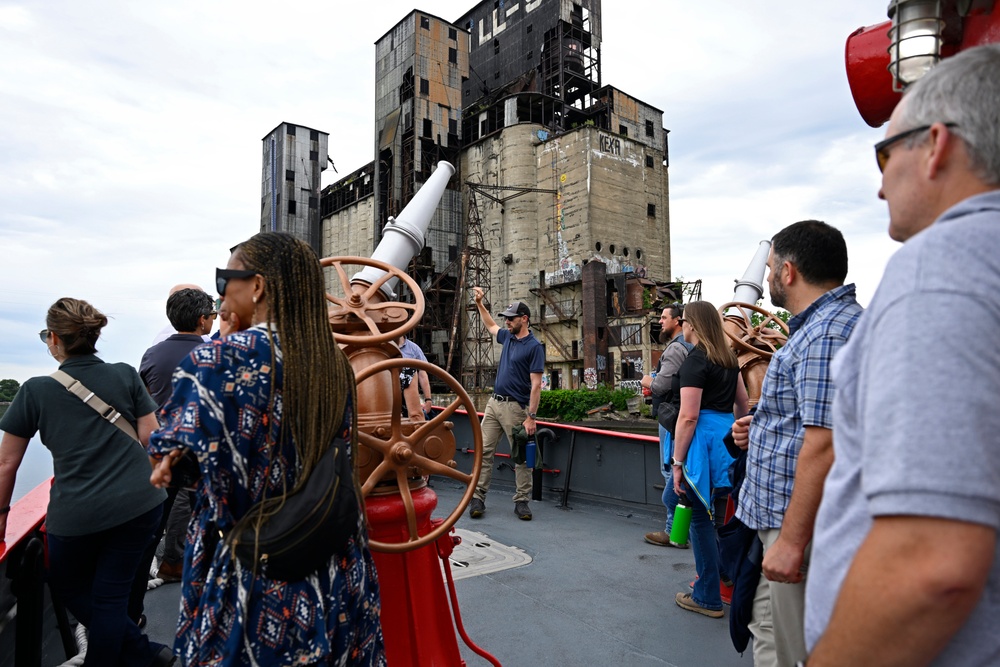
[(130, 153)]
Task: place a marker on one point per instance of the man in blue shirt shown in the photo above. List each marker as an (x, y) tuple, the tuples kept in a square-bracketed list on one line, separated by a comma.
[(906, 568), (790, 435), (516, 392)]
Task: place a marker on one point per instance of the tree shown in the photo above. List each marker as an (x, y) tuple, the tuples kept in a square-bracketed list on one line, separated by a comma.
[(781, 314), (7, 389)]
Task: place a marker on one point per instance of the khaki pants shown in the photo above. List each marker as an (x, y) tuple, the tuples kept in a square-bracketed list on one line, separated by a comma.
[(499, 419), (778, 624)]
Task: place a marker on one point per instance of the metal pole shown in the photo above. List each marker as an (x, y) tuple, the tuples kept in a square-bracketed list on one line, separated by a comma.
[(542, 436), (28, 588), (569, 472)]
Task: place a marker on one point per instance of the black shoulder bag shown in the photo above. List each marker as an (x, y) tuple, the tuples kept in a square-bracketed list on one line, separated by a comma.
[(667, 416), (312, 525)]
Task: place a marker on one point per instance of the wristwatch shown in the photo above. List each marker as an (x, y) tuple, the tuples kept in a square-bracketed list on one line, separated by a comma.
[(531, 414)]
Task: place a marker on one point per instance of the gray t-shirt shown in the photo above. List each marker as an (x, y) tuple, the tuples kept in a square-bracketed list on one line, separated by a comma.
[(101, 474), (919, 381)]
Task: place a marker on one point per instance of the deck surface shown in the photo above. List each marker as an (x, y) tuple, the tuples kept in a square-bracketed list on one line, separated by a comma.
[(593, 593)]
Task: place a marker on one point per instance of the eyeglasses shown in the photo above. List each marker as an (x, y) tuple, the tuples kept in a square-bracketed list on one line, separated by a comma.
[(681, 320), (511, 318), (223, 276), (882, 147), (44, 335)]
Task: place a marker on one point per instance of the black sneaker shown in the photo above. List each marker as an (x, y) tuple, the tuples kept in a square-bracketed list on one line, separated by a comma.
[(477, 508), (522, 511)]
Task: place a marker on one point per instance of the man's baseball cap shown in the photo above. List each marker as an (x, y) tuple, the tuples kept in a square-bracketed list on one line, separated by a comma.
[(516, 309)]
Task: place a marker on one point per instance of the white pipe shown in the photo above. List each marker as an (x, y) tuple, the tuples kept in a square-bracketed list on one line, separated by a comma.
[(403, 237), (751, 287)]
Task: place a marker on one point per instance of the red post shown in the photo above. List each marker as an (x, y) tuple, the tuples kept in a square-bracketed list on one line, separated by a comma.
[(416, 616)]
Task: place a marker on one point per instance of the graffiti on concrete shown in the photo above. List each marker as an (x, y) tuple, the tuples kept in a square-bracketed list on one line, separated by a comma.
[(634, 385), (609, 144), (590, 377)]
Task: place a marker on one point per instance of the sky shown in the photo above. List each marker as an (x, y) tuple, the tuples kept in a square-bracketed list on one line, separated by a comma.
[(130, 137)]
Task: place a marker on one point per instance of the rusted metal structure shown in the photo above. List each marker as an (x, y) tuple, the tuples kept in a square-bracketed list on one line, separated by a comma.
[(478, 345), (548, 159), (396, 454)]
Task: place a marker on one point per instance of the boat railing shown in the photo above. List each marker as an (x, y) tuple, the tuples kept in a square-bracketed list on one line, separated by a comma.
[(589, 462), (24, 604)]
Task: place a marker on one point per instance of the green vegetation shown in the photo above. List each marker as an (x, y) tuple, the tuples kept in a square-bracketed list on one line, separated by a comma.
[(781, 314), (572, 404), (7, 390)]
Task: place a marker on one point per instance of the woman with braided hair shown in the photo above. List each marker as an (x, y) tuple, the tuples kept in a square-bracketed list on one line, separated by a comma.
[(258, 409)]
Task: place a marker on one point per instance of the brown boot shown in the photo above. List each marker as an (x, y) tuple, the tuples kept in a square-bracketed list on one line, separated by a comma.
[(170, 573), (662, 539)]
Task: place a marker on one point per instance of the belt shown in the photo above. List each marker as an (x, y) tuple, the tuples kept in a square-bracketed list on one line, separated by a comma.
[(504, 399)]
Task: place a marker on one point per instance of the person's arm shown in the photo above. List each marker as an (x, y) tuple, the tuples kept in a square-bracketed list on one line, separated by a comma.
[(533, 399), (411, 396), (12, 449), (783, 561), (687, 420), (876, 621), (161, 476), (741, 432), (146, 425), (425, 386), (742, 405), (484, 314), (670, 363)]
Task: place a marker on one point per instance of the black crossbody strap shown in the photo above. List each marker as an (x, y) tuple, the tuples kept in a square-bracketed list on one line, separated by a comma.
[(106, 411)]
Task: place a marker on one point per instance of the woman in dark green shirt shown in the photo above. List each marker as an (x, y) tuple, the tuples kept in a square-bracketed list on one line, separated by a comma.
[(102, 509)]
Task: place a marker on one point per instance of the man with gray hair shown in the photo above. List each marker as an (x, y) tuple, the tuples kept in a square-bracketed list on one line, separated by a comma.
[(905, 565)]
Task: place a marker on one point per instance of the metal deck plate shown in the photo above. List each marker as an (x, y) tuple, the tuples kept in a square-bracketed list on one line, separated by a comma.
[(480, 554)]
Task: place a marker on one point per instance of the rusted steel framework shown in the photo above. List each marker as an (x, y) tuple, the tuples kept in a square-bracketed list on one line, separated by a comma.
[(479, 370)]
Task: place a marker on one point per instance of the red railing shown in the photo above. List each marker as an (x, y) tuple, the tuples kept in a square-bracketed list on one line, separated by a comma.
[(22, 562), (26, 515), (624, 435)]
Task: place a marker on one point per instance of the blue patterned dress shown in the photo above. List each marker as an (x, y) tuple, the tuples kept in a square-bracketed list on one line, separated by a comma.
[(226, 396)]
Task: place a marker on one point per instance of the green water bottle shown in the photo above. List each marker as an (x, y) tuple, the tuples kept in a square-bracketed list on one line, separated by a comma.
[(682, 522)]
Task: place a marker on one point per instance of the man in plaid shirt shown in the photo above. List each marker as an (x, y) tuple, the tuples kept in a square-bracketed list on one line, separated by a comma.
[(790, 437)]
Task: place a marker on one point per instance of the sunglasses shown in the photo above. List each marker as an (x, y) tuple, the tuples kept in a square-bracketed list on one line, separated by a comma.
[(681, 320), (44, 335), (511, 318), (223, 276), (882, 147)]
